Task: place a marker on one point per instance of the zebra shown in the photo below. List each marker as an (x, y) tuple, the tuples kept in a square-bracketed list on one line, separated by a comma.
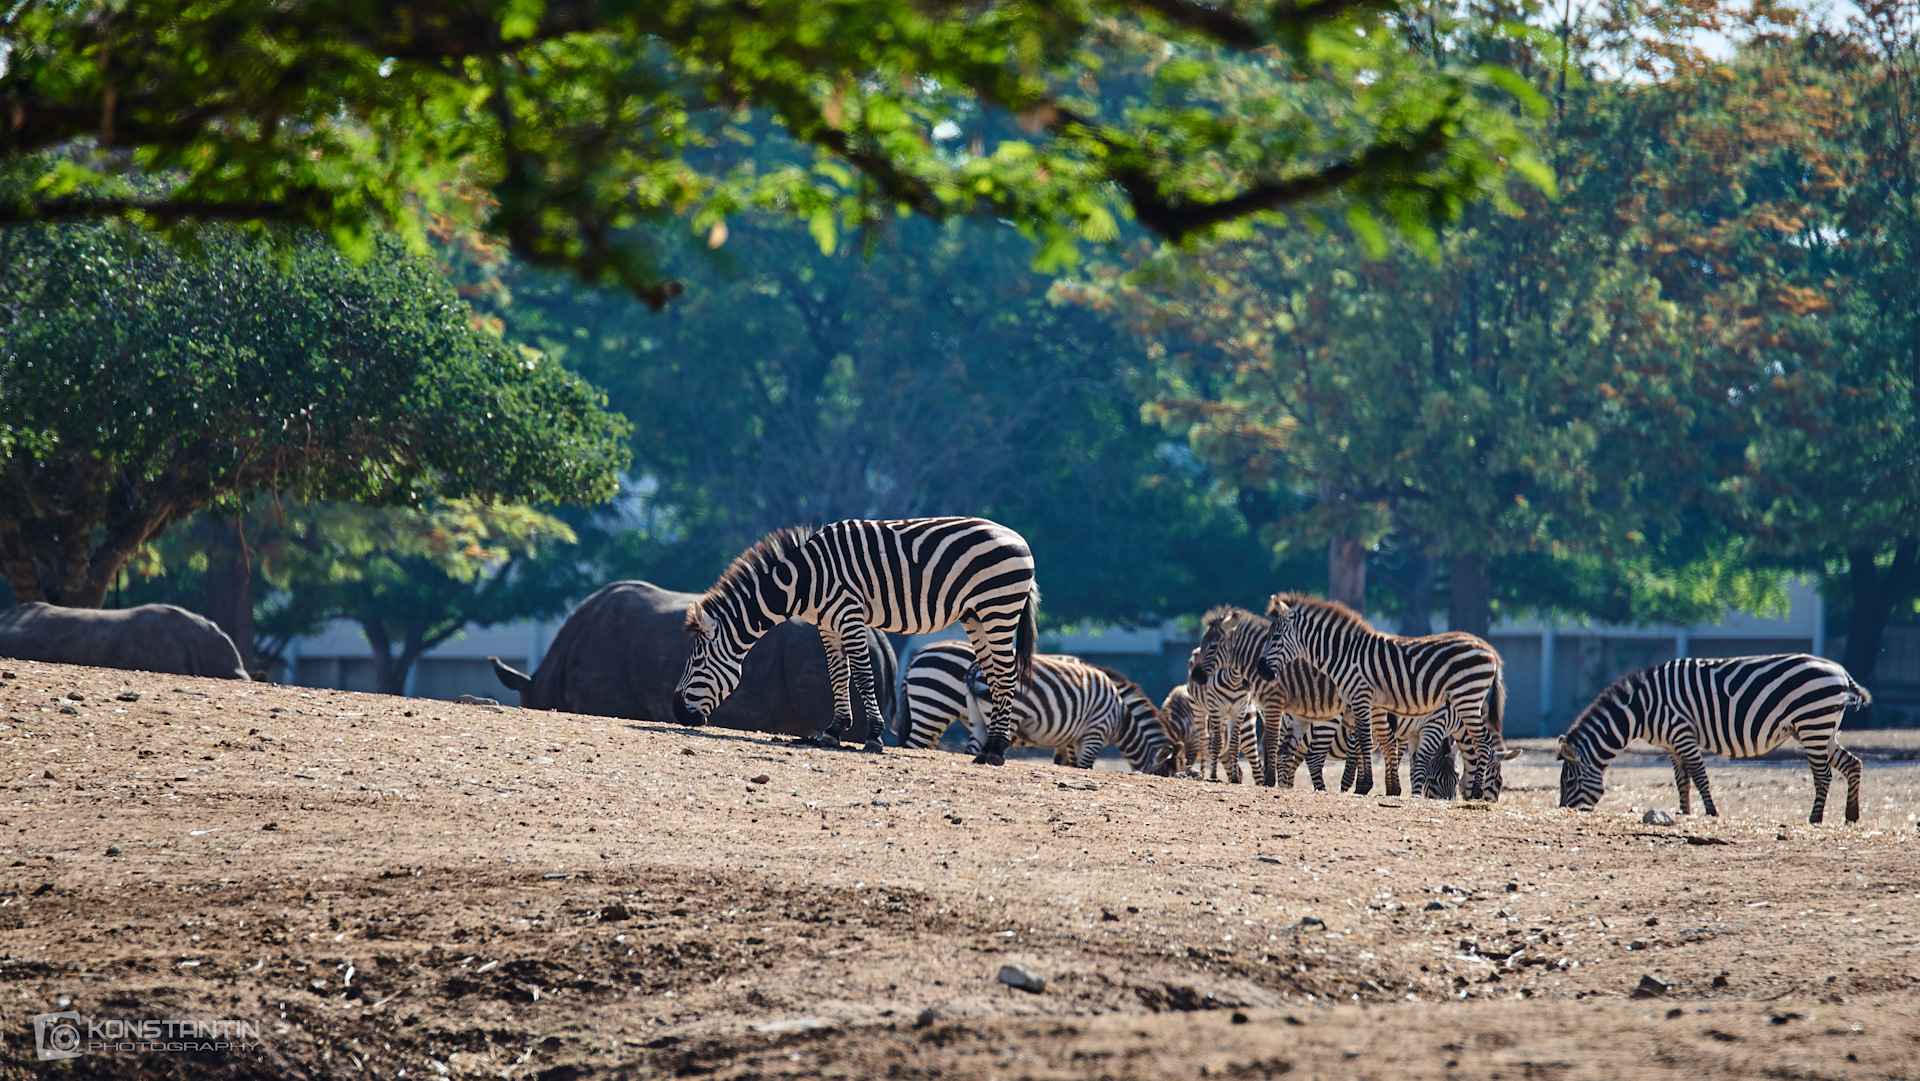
[(1408, 676), (1221, 674), (1737, 706), (1074, 707), (1431, 738), (911, 576), (1177, 713), (1227, 669), (1186, 740)]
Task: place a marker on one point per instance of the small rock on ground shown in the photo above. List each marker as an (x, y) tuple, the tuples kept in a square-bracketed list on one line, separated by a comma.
[(1657, 817), (1022, 977)]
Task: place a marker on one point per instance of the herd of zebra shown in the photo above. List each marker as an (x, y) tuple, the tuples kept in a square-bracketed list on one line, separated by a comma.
[(1309, 680)]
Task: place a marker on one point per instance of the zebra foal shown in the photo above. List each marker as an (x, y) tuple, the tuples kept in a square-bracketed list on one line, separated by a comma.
[(1377, 672), (912, 576), (1069, 705), (1740, 707)]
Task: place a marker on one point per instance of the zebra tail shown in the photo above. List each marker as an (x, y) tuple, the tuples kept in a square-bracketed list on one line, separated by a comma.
[(1026, 638), (1497, 708), (1857, 696)]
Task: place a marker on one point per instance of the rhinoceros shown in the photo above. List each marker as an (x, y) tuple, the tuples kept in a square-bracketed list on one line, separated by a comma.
[(621, 653), (150, 638)]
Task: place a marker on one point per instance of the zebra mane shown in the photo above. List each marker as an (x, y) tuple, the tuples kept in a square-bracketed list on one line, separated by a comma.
[(1221, 614), (1620, 690), (776, 547), (1336, 609)]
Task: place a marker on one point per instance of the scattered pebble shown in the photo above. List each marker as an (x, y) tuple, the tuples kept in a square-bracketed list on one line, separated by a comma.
[(1657, 817), (1022, 978), (1649, 987)]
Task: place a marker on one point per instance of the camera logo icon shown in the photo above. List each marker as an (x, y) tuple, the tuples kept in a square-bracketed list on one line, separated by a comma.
[(56, 1036)]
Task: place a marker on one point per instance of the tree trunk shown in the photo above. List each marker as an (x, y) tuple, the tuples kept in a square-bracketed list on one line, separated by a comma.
[(1347, 573), (230, 586), (1874, 595), (1419, 617), (1469, 606)]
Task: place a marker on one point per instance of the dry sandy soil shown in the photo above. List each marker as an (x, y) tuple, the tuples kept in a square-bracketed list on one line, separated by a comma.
[(395, 887)]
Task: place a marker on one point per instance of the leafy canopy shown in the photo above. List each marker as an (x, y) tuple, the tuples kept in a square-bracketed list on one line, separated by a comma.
[(139, 384), (583, 121)]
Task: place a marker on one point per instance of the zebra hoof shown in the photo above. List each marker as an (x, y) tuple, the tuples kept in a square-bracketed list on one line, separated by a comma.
[(989, 758), (874, 746), (824, 740)]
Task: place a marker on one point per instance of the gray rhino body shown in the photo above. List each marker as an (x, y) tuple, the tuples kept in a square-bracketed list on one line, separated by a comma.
[(620, 654), (150, 638)]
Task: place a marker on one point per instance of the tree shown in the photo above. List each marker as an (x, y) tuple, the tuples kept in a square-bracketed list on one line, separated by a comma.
[(411, 578), (587, 121), (1835, 478), (1533, 390), (139, 384), (934, 375)]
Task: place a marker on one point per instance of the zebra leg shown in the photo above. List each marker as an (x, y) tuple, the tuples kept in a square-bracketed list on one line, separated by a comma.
[(863, 703), (1216, 741), (1390, 751), (1476, 761), (1849, 766), (1686, 750), (1681, 783), (1361, 751), (1349, 772), (1287, 762), (1003, 680), (1822, 778), (841, 678)]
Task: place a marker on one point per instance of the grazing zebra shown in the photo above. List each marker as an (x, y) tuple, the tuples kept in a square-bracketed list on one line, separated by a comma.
[(1737, 706), (1177, 712), (1408, 676), (1431, 738), (912, 576), (1069, 705)]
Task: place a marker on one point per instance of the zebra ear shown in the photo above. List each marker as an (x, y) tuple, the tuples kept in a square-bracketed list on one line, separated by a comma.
[(1277, 608), (1510, 754), (1564, 752)]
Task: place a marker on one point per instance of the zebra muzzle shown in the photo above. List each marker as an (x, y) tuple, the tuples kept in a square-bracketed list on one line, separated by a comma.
[(685, 714)]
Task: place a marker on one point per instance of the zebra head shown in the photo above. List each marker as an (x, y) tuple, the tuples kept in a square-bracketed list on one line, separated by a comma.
[(1581, 779), (1227, 661), (713, 671), (1283, 644)]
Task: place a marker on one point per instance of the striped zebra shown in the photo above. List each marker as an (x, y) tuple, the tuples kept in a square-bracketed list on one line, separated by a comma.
[(1221, 678), (1069, 705), (1740, 707), (1227, 670), (1177, 714), (1388, 673), (912, 576), (1432, 740)]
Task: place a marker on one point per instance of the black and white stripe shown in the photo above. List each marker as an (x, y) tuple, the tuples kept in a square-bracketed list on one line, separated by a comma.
[(1740, 707), (1222, 675), (1379, 672), (1177, 714), (1069, 705), (1431, 739), (912, 576)]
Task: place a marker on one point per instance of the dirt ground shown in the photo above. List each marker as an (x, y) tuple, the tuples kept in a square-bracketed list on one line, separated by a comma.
[(394, 887)]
